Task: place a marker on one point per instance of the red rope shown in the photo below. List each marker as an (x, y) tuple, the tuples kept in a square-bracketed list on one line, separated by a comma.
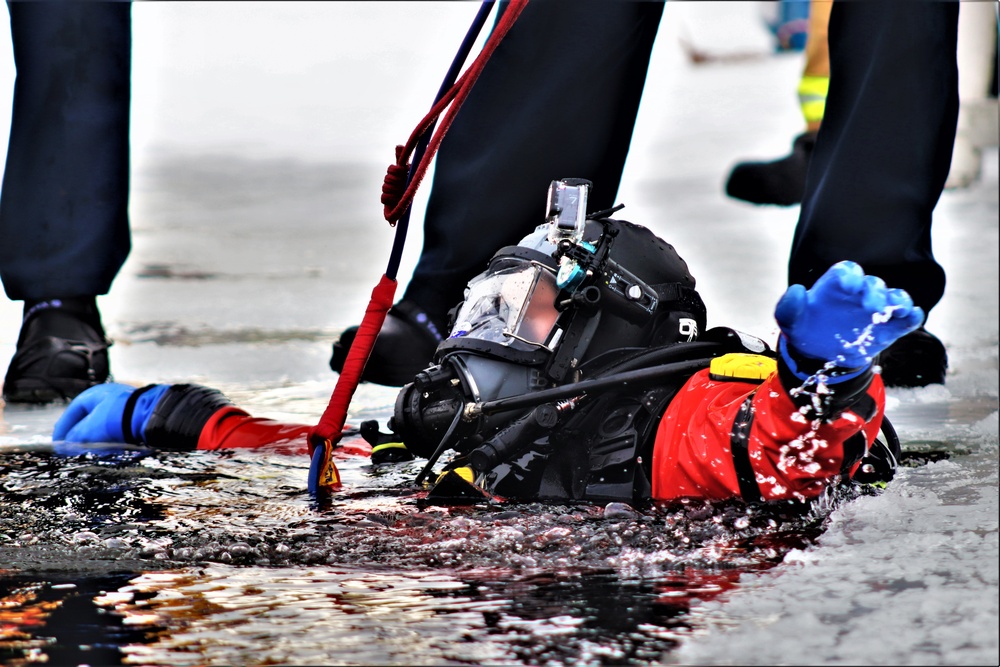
[(331, 424), (396, 197), (396, 194)]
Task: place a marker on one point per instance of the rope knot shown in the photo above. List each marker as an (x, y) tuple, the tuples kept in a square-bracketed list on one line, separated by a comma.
[(394, 185)]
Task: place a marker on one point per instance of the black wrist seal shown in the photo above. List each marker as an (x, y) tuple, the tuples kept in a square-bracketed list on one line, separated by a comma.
[(180, 414), (837, 397)]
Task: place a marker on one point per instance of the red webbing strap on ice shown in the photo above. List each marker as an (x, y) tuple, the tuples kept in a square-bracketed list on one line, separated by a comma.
[(395, 198), (331, 424)]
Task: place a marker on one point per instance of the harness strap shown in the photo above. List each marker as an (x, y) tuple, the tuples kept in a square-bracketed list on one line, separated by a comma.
[(674, 292), (739, 444)]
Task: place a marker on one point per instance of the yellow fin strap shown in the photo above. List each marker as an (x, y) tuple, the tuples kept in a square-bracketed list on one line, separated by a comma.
[(388, 445)]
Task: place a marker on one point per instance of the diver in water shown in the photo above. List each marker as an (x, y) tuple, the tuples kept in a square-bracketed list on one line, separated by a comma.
[(578, 367)]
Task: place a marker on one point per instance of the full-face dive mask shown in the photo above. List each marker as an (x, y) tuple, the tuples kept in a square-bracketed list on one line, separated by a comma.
[(569, 301)]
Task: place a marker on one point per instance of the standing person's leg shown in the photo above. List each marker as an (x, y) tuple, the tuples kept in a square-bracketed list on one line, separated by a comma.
[(558, 99), (64, 230), (881, 159)]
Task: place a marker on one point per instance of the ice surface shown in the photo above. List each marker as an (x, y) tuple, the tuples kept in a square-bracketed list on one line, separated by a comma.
[(909, 577)]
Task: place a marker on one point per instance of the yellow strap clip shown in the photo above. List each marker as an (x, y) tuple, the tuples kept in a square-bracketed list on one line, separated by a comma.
[(465, 472), (742, 366), (329, 476)]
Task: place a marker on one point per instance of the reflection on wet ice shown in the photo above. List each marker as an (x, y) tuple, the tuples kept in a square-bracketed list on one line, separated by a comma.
[(226, 615)]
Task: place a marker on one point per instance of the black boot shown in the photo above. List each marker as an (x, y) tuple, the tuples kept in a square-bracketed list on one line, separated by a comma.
[(915, 360), (404, 347), (61, 350), (781, 182)]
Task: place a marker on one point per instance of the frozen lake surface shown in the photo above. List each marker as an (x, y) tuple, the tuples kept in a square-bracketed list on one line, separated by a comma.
[(261, 134)]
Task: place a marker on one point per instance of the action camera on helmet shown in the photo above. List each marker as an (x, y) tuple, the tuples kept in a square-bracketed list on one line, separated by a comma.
[(573, 301)]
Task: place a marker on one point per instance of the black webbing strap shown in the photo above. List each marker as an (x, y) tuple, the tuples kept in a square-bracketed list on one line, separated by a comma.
[(674, 292), (738, 443)]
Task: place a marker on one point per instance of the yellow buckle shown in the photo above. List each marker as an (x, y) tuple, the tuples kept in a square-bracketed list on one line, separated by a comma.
[(742, 366)]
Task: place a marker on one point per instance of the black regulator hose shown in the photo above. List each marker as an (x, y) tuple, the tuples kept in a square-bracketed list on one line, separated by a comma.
[(662, 355), (545, 416), (505, 444), (641, 375), (441, 448)]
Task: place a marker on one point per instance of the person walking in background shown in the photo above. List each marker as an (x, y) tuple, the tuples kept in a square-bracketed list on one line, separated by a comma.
[(782, 182), (64, 228)]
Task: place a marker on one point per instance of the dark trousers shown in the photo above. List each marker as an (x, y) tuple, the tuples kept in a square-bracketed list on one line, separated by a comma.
[(559, 98), (64, 206), (884, 149)]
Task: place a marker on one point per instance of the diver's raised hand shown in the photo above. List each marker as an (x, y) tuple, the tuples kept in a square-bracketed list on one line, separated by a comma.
[(846, 318), (103, 412)]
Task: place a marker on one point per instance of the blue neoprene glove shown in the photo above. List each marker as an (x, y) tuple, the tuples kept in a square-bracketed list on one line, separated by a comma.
[(846, 318), (98, 414)]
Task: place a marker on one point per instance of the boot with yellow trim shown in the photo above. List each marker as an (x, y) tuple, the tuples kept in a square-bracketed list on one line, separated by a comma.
[(386, 447)]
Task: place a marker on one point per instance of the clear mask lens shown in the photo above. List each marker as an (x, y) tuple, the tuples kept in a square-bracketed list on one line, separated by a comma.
[(513, 304)]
